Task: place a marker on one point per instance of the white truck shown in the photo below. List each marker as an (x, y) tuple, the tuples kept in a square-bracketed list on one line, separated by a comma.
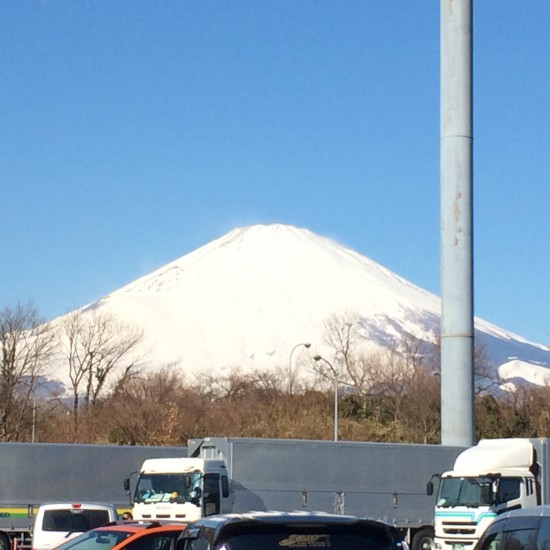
[(494, 476), (183, 489)]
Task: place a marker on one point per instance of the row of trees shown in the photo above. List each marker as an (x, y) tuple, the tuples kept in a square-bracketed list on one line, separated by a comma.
[(87, 349), (164, 408), (388, 395)]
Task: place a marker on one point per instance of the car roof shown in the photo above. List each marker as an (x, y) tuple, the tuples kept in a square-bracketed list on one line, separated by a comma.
[(138, 526), (281, 517), (133, 527), (77, 506), (535, 511), (219, 522)]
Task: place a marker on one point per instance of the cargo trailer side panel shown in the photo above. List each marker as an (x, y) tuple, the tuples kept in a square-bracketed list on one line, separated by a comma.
[(386, 481), (34, 473)]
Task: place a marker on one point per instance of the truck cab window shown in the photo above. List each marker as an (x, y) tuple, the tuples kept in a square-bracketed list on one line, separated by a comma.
[(225, 487), (211, 500), (508, 489)]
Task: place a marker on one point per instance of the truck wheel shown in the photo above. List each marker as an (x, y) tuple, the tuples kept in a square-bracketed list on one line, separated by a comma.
[(423, 540), (4, 542)]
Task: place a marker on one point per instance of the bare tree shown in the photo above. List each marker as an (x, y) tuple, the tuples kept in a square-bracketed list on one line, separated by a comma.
[(352, 364), (342, 334), (486, 375), (95, 345), (151, 409), (27, 346), (420, 408)]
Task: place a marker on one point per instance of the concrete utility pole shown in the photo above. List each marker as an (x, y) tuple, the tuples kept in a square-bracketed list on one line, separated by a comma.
[(457, 326)]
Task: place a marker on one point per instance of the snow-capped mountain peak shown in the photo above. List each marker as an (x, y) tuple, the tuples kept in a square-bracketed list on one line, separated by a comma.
[(247, 298)]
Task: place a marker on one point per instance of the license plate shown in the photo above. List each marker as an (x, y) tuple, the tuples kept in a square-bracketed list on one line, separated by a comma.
[(458, 547)]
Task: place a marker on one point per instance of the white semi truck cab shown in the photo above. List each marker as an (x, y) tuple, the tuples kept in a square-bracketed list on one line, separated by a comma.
[(488, 479), (181, 489)]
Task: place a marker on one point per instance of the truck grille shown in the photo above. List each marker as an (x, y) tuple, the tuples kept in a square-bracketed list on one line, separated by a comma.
[(466, 528)]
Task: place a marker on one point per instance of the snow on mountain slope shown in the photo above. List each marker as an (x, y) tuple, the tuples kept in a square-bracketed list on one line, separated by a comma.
[(526, 372), (247, 298)]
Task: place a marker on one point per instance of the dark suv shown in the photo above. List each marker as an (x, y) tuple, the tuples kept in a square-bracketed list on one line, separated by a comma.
[(280, 530), (524, 529)]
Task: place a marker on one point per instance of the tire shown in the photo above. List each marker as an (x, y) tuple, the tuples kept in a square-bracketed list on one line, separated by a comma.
[(5, 543), (423, 540)]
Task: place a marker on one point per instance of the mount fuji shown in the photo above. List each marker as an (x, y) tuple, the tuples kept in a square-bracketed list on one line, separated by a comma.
[(249, 297)]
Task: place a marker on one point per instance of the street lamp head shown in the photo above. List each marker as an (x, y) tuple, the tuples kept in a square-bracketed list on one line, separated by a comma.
[(307, 345), (317, 357)]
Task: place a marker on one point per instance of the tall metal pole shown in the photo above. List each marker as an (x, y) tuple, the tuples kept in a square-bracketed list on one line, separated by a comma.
[(457, 327)]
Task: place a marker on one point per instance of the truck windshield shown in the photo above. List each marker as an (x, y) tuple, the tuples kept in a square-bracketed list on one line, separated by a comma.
[(465, 491), (178, 488), (477, 491)]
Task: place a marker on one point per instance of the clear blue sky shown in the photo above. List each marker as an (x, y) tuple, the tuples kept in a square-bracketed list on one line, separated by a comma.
[(133, 132)]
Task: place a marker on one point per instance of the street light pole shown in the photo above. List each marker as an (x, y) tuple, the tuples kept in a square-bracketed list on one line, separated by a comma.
[(33, 417), (335, 374), (290, 374), (335, 407)]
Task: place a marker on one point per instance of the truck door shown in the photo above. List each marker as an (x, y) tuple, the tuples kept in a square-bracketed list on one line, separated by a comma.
[(211, 498)]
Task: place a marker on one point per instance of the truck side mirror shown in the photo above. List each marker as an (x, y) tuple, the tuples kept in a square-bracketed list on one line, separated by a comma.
[(127, 484), (430, 488), (195, 496)]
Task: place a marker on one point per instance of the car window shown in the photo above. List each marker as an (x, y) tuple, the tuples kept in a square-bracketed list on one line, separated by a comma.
[(333, 537), (72, 520), (543, 541), (492, 541), (95, 540), (154, 541), (302, 540), (196, 544), (521, 539)]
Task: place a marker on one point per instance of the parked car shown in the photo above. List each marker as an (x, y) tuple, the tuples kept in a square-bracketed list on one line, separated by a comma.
[(522, 529), (128, 535), (298, 530), (54, 523)]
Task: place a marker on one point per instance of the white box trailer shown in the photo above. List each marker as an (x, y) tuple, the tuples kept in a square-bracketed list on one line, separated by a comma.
[(37, 473), (384, 481)]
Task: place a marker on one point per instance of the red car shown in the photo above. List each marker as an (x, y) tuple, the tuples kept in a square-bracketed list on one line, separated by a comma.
[(127, 535)]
